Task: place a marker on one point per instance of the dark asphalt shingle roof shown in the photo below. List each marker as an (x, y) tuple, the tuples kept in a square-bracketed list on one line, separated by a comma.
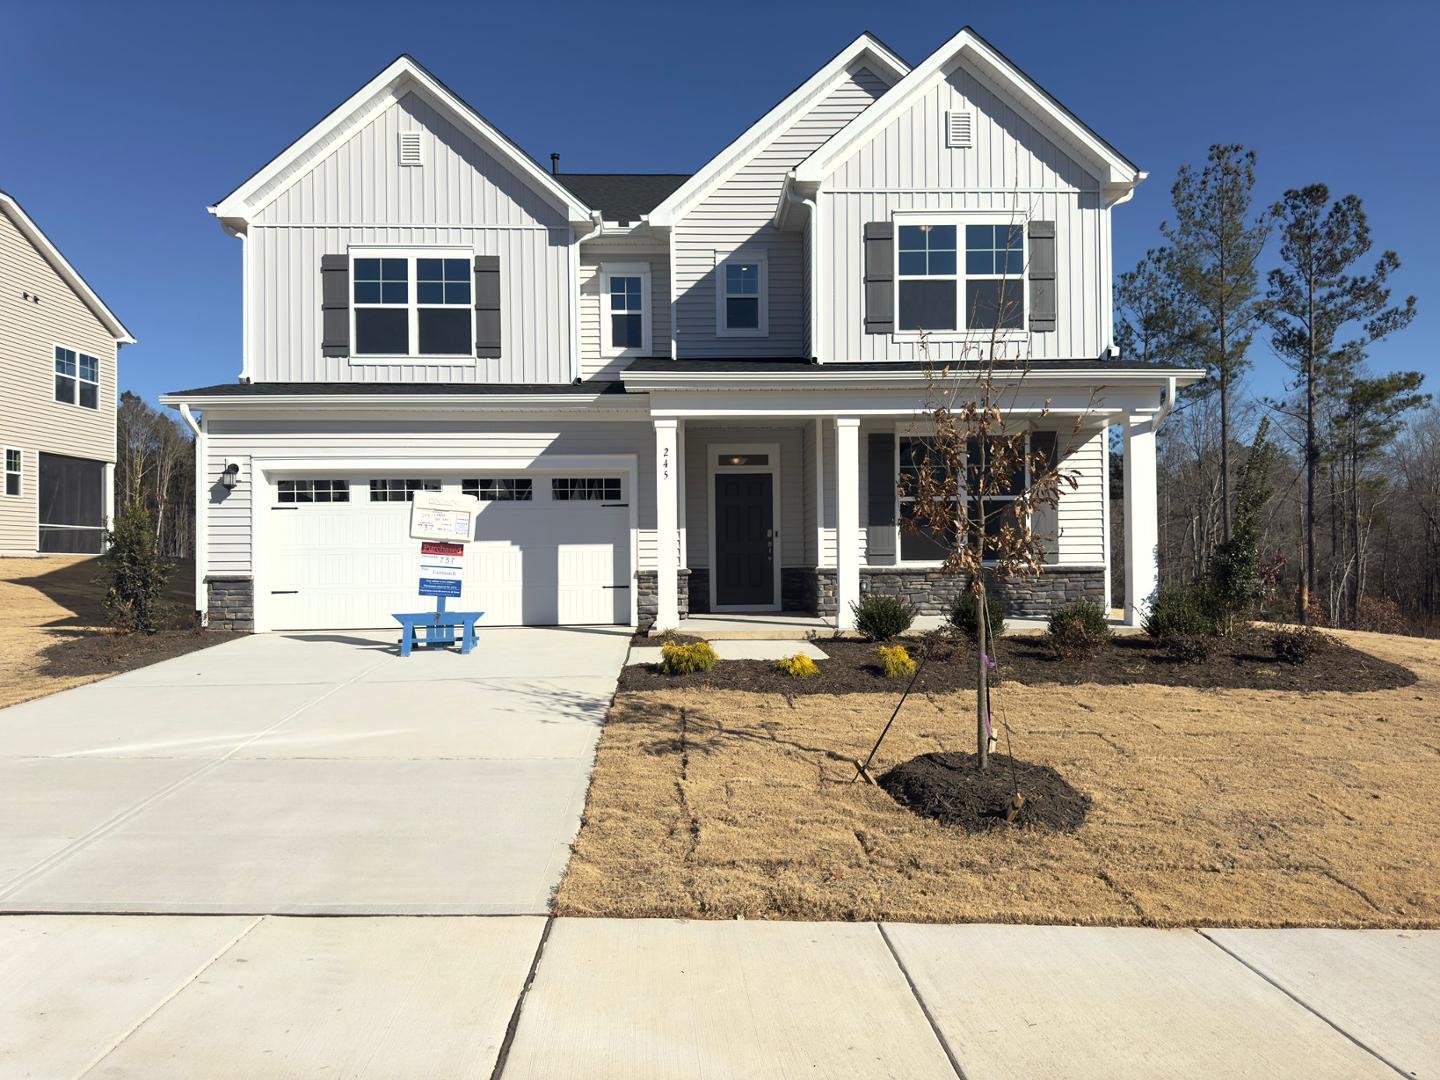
[(622, 197)]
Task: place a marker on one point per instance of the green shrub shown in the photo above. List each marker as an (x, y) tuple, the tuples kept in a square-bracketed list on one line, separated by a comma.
[(134, 572), (1188, 648), (1181, 609), (1233, 578), (798, 666), (962, 614), (1297, 644), (684, 657), (880, 618), (1079, 629), (896, 660)]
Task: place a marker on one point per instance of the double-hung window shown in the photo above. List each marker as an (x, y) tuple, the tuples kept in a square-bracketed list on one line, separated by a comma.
[(943, 287), (13, 470), (413, 305), (77, 378), (741, 299), (920, 545), (626, 317)]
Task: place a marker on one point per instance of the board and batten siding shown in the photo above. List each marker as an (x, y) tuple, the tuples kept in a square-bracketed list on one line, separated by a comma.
[(31, 420), (1012, 169), (461, 197), (594, 363), (318, 443), (738, 215)]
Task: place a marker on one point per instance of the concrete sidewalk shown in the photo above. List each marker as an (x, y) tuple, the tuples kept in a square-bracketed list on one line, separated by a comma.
[(240, 996)]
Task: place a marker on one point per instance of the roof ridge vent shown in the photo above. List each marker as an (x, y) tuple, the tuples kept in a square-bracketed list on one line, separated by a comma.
[(410, 148)]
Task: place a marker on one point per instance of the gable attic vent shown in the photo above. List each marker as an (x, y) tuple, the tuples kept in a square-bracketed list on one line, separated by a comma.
[(958, 131), (410, 148)]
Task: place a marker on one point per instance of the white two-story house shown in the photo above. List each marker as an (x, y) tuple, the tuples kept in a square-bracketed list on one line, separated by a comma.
[(670, 394)]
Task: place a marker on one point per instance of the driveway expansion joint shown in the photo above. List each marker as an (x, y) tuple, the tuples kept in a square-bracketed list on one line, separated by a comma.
[(924, 1008)]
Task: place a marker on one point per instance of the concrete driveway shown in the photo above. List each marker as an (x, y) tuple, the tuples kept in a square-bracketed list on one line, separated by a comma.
[(308, 774)]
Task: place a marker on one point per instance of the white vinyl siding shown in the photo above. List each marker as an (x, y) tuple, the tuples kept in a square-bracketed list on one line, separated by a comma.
[(228, 538), (358, 195), (738, 214), (1013, 171), (31, 420), (594, 362)]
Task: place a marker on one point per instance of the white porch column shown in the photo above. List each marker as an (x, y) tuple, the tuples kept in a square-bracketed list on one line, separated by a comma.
[(107, 495), (1142, 519), (847, 520), (667, 525)]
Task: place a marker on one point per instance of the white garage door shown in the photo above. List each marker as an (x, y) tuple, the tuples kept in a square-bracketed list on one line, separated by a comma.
[(550, 549)]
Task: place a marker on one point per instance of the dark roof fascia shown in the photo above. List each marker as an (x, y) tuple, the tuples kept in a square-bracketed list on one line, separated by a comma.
[(256, 391)]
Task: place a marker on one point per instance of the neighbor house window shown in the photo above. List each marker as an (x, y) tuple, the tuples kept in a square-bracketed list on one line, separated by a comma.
[(938, 290), (741, 299), (313, 491), (626, 300), (413, 305), (12, 471), (77, 378), (400, 490), (490, 489), (585, 489)]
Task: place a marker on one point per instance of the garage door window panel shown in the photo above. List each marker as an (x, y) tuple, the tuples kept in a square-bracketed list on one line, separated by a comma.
[(313, 491), (393, 490), (586, 489), (502, 489)]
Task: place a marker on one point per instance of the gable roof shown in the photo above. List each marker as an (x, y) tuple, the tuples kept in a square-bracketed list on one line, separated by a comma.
[(867, 48), (88, 296), (404, 75), (622, 197), (1118, 172)]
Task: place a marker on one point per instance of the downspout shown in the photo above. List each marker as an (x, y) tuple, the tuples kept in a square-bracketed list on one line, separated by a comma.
[(244, 239), (202, 599), (814, 211), (598, 221)]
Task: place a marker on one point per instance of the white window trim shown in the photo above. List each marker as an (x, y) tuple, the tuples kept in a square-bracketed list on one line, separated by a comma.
[(607, 344), (960, 220), (9, 472), (74, 402), (931, 564), (722, 259), (411, 254), (715, 452)]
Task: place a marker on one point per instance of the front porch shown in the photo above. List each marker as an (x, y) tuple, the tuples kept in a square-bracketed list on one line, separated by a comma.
[(778, 512)]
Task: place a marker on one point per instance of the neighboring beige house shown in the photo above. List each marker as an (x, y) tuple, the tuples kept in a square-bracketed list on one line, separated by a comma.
[(59, 346)]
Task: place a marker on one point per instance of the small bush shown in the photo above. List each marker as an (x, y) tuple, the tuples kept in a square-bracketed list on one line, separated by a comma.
[(1078, 629), (1184, 610), (896, 660), (798, 666), (1297, 644), (1381, 615), (1188, 648), (880, 618), (134, 572), (682, 658), (962, 614)]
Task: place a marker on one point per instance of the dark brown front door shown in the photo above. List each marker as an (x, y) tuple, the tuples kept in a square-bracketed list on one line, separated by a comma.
[(744, 540)]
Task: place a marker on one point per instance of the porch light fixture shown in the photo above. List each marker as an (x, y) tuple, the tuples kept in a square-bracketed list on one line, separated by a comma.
[(230, 474)]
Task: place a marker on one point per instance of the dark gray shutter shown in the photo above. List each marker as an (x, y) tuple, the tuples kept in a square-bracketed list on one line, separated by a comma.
[(880, 519), (487, 305), (1042, 276), (335, 305), (1043, 444), (879, 277)]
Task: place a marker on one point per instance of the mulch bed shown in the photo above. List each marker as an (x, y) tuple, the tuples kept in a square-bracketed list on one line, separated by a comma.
[(105, 652), (949, 788), (1245, 662)]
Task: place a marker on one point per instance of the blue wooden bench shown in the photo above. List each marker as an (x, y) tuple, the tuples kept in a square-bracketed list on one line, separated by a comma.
[(432, 629)]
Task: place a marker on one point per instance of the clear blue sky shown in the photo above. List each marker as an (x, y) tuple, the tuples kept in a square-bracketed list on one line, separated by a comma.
[(121, 122)]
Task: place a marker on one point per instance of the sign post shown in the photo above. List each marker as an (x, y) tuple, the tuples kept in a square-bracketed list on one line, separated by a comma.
[(443, 524)]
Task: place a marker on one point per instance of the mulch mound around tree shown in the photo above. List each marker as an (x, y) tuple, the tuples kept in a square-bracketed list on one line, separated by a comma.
[(1243, 662), (949, 788)]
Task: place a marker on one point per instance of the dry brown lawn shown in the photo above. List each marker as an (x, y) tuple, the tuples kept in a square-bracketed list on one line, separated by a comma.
[(53, 630), (1215, 807)]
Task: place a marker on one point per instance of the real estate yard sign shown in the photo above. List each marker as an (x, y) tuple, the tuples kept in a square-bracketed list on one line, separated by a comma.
[(443, 524)]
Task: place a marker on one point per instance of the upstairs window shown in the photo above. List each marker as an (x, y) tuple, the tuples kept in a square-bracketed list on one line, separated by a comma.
[(413, 305), (77, 378), (742, 306), (940, 291), (627, 309)]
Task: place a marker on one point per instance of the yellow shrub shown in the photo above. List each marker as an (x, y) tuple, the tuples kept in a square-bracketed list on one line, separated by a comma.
[(898, 663), (681, 658), (799, 665)]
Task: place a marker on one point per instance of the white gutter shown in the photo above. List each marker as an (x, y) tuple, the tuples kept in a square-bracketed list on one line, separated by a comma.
[(202, 599), (677, 380), (814, 209)]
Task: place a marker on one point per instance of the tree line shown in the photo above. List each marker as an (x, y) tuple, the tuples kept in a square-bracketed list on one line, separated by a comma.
[(1351, 519), (155, 469)]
